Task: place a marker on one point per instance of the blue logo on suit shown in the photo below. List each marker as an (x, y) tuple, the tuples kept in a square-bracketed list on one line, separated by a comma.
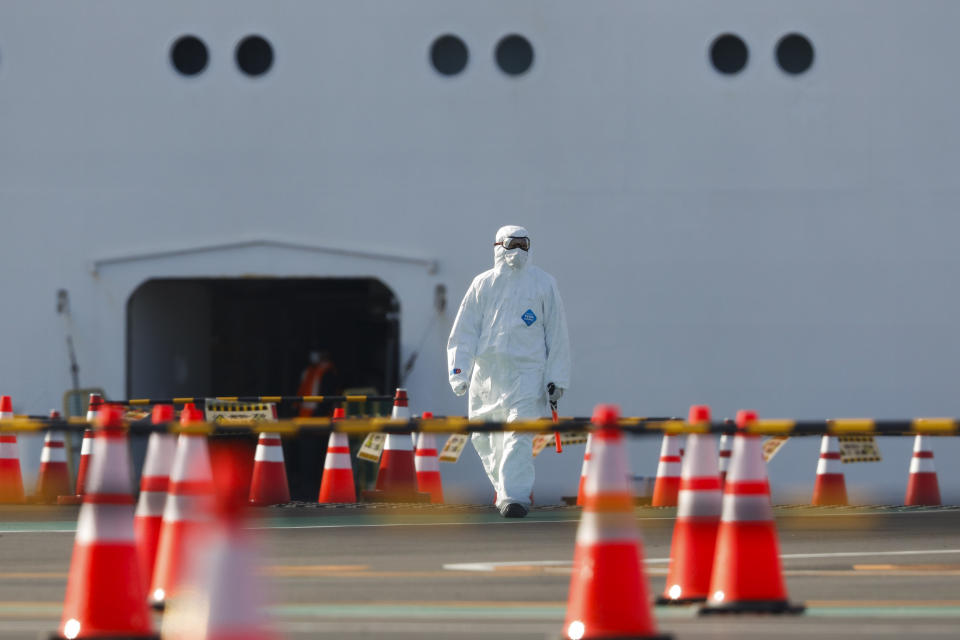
[(529, 317)]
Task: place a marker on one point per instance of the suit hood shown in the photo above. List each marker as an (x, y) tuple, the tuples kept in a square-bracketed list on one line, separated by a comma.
[(516, 258)]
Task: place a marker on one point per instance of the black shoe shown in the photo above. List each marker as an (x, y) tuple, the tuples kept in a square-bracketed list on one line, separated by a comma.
[(513, 510)]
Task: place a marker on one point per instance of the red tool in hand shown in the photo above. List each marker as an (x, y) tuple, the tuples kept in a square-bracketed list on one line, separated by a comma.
[(556, 434), (553, 395)]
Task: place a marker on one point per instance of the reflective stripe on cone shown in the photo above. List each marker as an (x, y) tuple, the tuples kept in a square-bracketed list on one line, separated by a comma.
[(397, 477), (105, 592), (11, 480), (747, 576), (922, 485), (830, 488), (53, 479), (726, 442), (337, 484), (698, 518), (268, 485), (428, 466), (154, 483), (608, 590), (186, 513), (667, 487)]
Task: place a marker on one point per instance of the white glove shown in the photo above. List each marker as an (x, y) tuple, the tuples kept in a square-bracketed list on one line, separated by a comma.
[(459, 386), (554, 393)]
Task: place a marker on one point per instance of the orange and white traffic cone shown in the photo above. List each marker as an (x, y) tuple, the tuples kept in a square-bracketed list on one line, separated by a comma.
[(608, 590), (397, 479), (222, 596), (186, 514), (698, 518), (53, 479), (585, 469), (105, 593), (86, 447), (337, 483), (829, 487), (667, 486), (269, 484), (747, 576), (154, 482), (11, 481), (726, 443), (428, 465), (922, 485), (86, 450)]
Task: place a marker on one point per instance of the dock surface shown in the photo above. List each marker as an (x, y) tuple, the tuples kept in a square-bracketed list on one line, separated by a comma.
[(464, 572)]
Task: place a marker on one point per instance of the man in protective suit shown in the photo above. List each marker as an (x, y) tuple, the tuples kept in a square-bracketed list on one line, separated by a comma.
[(509, 346)]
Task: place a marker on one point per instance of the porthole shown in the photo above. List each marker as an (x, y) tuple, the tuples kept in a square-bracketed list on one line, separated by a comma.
[(189, 55), (254, 55), (514, 55), (729, 54), (449, 55), (794, 53)]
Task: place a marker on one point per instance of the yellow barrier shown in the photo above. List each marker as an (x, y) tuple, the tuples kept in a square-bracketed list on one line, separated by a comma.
[(930, 426)]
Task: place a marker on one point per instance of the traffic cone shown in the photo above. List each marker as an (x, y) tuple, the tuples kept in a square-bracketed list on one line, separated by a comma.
[(829, 487), (337, 483), (53, 479), (221, 598), (269, 483), (698, 518), (105, 593), (11, 481), (427, 465), (186, 514), (608, 590), (584, 469), (154, 482), (397, 479), (86, 450), (667, 486), (922, 485), (747, 576), (726, 442)]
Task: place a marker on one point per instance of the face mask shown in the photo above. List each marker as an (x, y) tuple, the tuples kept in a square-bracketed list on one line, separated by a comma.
[(515, 258)]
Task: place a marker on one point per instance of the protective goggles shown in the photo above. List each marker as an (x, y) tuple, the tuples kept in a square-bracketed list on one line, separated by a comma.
[(514, 243)]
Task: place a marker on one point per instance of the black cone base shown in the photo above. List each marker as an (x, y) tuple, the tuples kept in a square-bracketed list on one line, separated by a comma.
[(664, 601), (752, 606), (659, 636), (152, 636)]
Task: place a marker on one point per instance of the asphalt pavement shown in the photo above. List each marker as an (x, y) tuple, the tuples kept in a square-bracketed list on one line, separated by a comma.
[(464, 572)]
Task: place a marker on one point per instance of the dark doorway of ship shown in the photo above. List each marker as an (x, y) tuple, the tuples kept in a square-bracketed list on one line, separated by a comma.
[(254, 336)]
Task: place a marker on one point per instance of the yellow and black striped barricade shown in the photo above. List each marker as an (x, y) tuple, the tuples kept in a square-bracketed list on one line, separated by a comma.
[(926, 426)]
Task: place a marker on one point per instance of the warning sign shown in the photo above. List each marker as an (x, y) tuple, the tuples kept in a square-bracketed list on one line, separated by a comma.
[(540, 442), (453, 448), (858, 449), (132, 414), (771, 445), (372, 447), (573, 437), (228, 412), (543, 440)]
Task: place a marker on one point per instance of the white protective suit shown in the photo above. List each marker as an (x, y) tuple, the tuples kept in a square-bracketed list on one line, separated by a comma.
[(509, 341)]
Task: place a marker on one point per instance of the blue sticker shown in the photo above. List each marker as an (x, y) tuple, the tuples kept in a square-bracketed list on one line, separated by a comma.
[(529, 317), (456, 371)]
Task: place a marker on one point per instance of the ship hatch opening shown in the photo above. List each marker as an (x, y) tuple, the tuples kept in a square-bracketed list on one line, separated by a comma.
[(254, 336)]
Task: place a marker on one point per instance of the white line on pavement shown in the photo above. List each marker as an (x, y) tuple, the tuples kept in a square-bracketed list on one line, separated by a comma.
[(493, 566)]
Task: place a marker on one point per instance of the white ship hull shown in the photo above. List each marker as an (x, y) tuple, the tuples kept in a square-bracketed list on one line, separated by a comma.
[(783, 242)]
